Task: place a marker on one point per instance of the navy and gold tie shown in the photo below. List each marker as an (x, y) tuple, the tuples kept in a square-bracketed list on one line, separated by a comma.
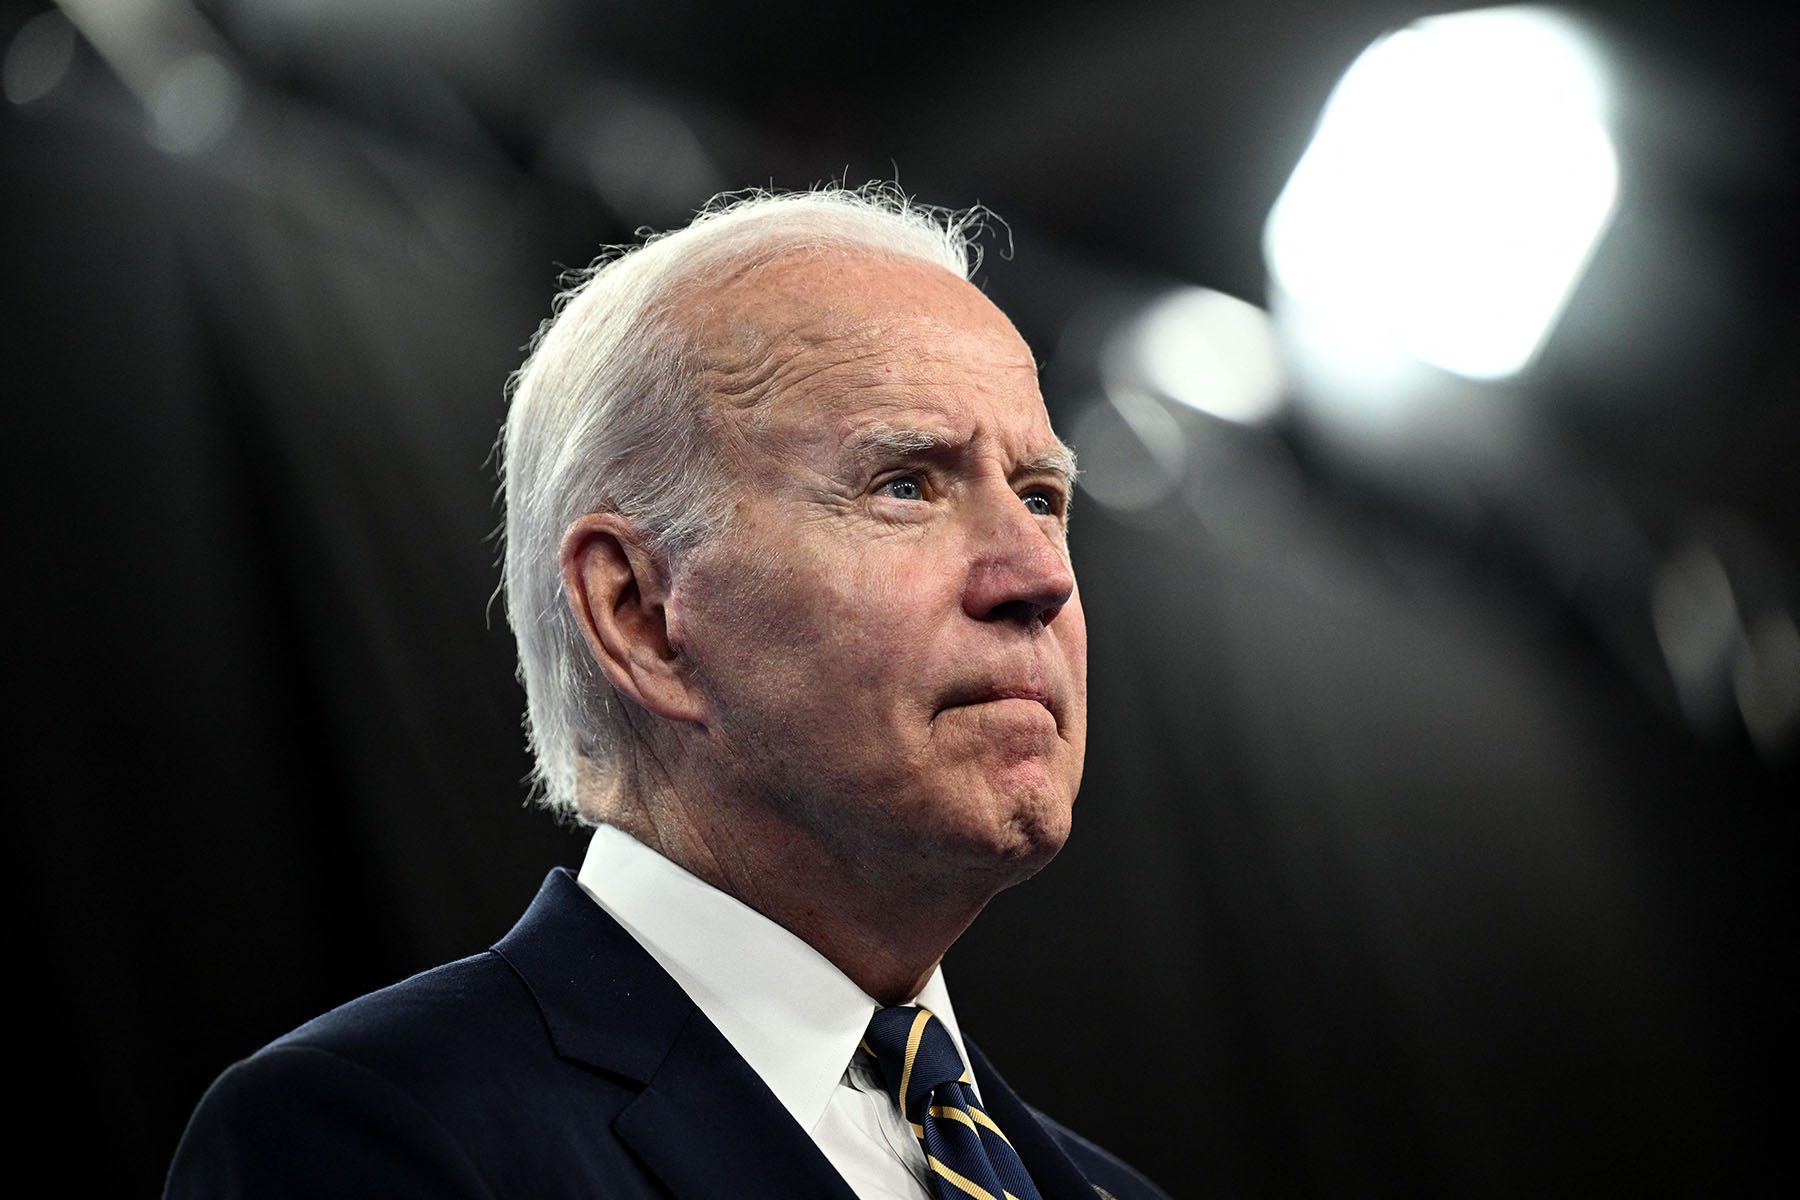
[(967, 1153)]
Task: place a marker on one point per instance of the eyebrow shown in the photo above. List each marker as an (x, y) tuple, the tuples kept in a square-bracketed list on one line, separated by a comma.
[(1060, 461), (879, 442)]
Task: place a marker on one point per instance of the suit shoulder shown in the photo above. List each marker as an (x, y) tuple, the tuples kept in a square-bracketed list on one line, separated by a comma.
[(297, 1120), (1111, 1175), (459, 1039), (460, 1006), (445, 1084)]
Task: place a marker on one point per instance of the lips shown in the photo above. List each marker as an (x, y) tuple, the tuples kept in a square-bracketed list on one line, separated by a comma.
[(991, 693)]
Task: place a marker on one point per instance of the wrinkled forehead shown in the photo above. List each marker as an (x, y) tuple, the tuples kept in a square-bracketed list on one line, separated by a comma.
[(841, 339)]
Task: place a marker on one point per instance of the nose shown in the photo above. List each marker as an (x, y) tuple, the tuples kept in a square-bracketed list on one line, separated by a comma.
[(1020, 572)]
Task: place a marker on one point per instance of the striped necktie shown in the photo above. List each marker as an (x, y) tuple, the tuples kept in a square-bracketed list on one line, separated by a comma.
[(967, 1153)]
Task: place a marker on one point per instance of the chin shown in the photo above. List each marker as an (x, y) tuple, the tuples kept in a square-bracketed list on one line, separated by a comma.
[(1024, 829), (1033, 844)]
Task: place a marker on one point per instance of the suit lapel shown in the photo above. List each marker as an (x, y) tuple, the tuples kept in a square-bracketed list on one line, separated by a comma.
[(1055, 1173), (704, 1124), (606, 1003), (709, 1127)]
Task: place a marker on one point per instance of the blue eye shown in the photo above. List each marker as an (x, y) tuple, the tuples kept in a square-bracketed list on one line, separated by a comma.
[(907, 487), (1040, 504)]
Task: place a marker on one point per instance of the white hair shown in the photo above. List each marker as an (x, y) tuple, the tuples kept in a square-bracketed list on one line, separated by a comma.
[(607, 414)]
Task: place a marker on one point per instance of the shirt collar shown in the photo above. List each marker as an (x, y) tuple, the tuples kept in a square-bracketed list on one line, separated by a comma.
[(793, 1016)]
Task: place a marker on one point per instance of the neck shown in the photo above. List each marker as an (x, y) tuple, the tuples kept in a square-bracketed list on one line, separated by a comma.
[(885, 928)]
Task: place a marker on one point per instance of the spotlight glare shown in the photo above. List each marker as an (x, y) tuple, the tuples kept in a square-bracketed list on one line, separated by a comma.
[(1458, 180), (1207, 350)]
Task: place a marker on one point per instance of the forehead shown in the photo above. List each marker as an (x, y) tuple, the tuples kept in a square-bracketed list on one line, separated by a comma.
[(821, 346)]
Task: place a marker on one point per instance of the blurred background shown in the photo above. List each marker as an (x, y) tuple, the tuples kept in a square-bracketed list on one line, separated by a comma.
[(1438, 396)]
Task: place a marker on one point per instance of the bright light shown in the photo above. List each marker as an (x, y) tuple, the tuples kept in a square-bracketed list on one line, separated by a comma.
[(1204, 349), (1460, 177)]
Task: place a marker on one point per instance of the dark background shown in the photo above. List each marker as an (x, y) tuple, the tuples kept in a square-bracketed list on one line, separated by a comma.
[(1414, 855)]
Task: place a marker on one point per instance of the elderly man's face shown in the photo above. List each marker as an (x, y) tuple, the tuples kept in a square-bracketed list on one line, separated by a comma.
[(888, 633)]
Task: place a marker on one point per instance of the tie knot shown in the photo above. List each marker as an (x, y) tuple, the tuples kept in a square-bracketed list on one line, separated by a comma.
[(914, 1054)]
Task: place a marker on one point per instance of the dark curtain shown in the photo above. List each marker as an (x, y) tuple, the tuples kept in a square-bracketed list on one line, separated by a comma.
[(1383, 882)]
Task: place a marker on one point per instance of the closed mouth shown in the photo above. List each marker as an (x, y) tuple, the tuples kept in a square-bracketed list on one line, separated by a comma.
[(993, 694)]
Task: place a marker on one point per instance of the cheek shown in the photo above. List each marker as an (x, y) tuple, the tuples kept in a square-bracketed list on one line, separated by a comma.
[(1074, 618), (865, 646), (788, 630), (1070, 632)]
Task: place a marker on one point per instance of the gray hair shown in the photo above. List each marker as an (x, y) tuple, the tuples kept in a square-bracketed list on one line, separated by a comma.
[(607, 414)]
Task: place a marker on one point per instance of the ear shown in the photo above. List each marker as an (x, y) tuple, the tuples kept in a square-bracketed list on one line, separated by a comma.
[(617, 586)]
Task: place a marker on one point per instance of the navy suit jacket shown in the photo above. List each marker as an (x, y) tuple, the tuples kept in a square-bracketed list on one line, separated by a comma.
[(563, 1062)]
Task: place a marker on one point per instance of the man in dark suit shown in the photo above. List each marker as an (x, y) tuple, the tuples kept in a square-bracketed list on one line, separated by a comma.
[(787, 564)]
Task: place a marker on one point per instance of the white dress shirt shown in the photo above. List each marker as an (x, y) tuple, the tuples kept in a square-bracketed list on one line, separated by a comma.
[(792, 1015)]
